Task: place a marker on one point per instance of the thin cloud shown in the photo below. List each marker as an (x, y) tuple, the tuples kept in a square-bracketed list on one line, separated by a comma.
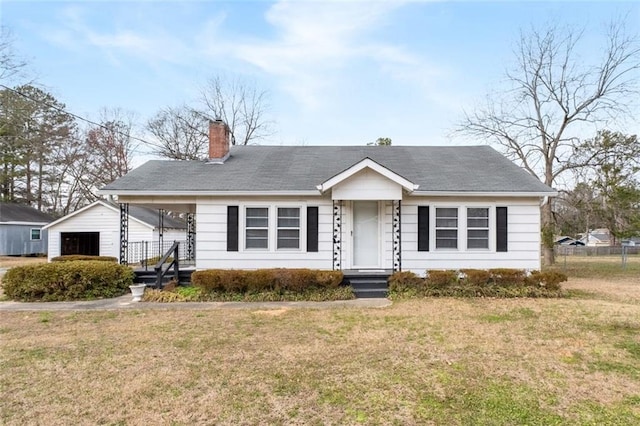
[(317, 44)]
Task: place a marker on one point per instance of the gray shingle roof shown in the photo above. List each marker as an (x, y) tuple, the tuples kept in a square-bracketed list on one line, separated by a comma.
[(151, 217), (10, 212), (302, 168)]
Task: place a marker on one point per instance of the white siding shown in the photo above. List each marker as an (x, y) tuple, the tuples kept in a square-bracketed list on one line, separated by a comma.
[(171, 235), (523, 224), (98, 219), (211, 236), (367, 184)]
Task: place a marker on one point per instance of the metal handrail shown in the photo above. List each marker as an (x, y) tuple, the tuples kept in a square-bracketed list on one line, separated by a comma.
[(160, 272)]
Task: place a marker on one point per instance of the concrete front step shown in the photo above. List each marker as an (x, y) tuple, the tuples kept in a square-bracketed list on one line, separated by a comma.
[(149, 277), (368, 285)]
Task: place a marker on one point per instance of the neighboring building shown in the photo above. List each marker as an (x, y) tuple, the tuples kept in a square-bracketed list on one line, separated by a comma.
[(567, 241), (600, 237), (21, 232), (631, 242), (95, 230), (348, 207)]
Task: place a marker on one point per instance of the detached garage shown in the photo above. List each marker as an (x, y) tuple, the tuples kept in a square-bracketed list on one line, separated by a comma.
[(95, 230)]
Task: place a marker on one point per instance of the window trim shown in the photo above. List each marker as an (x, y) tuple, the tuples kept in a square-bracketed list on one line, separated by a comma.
[(245, 228), (475, 228), (39, 234), (278, 228), (436, 228)]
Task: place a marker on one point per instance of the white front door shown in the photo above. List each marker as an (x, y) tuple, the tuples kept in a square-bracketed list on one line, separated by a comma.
[(366, 240)]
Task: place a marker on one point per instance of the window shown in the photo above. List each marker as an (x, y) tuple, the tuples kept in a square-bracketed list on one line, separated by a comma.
[(446, 228), (257, 227), (288, 228), (35, 234), (478, 228)]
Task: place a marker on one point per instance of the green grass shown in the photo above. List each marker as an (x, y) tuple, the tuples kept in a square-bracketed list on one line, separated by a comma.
[(597, 267), (443, 361)]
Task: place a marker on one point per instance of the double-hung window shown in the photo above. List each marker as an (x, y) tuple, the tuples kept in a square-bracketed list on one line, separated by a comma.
[(288, 236), (257, 228), (36, 234), (446, 228), (477, 228)]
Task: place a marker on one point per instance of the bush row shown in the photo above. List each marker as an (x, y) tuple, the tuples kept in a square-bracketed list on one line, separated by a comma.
[(69, 280), (477, 283), (270, 280), (74, 257)]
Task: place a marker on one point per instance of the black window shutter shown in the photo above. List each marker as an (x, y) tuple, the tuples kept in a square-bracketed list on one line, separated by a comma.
[(501, 229), (232, 228), (312, 229), (423, 228)]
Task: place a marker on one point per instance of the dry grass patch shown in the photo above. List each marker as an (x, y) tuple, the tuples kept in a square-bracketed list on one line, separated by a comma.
[(11, 261), (442, 361)]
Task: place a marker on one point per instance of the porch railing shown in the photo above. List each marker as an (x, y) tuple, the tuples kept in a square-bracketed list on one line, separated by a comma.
[(172, 259), (147, 253)]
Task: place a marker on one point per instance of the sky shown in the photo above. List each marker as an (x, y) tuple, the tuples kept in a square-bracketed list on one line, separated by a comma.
[(336, 72)]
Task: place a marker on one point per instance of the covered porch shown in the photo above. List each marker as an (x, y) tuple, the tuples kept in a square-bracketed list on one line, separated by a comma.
[(167, 256)]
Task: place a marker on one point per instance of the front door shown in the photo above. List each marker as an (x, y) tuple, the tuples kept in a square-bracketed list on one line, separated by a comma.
[(366, 239)]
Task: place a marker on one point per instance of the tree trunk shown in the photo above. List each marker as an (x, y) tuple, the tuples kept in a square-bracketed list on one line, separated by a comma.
[(548, 231)]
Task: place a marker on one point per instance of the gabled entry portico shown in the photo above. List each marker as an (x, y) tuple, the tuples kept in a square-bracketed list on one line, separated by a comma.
[(367, 201)]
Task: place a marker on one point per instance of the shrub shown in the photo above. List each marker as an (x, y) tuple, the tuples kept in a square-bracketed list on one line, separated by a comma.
[(441, 279), (548, 279), (329, 279), (508, 277), (406, 283), (278, 280), (74, 257), (476, 277), (260, 280), (68, 280), (477, 283)]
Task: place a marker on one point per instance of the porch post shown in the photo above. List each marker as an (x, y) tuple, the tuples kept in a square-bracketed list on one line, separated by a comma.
[(160, 231), (124, 233), (191, 232), (337, 235), (397, 235)]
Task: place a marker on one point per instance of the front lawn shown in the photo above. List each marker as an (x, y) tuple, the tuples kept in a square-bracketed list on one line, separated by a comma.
[(433, 361)]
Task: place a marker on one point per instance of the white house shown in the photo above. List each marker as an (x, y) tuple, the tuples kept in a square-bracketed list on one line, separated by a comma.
[(600, 237), (352, 208), (95, 230)]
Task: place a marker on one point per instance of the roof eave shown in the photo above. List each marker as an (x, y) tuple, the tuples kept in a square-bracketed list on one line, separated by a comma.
[(487, 193), (174, 193), (19, 222), (365, 163)]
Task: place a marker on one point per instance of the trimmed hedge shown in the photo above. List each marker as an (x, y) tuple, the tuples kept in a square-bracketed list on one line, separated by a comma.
[(74, 257), (270, 280), (261, 285), (68, 280), (477, 283)]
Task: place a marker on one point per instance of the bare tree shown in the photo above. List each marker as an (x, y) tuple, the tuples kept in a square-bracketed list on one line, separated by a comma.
[(108, 150), (553, 95), (10, 64), (239, 104), (180, 133)]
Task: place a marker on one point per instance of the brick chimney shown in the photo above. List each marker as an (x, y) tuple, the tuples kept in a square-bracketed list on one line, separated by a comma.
[(218, 141)]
